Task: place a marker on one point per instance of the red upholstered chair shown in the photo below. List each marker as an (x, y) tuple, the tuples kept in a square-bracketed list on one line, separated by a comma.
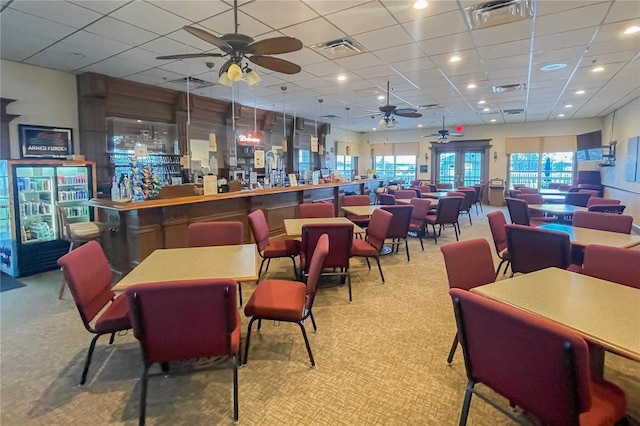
[(527, 190), (421, 207), (87, 272), (603, 221), (357, 200), (179, 321), (469, 264), (519, 185), (520, 215), (374, 238), (497, 221), (469, 196), (607, 208), (415, 183), (579, 199), (433, 188), (399, 226), (479, 194), (554, 185), (443, 186), (405, 194), (531, 198), (564, 187), (340, 236), (287, 301), (600, 200), (208, 234), (593, 192), (447, 213), (422, 188), (620, 265), (316, 210), (387, 200), (536, 364), (531, 248), (269, 249)]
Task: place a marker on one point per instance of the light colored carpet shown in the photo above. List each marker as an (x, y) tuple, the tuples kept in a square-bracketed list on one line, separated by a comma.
[(380, 360)]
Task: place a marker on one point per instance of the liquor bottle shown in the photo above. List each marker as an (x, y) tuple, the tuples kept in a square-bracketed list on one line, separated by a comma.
[(115, 191)]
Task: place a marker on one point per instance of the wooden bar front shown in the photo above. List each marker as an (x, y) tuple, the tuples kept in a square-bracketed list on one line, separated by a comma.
[(137, 229)]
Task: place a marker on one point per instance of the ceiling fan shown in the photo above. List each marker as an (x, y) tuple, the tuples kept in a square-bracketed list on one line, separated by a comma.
[(443, 134), (388, 111), (237, 46)]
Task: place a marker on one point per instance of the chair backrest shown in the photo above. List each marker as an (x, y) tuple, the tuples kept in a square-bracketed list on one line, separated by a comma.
[(563, 187), (387, 200), (531, 198), (574, 189), (593, 192), (184, 319), (444, 186), (317, 262), (433, 187), (532, 249), (519, 185), (579, 199), (527, 190), (401, 219), (600, 200), (536, 364), (497, 221), (469, 263), (608, 208), (421, 207), (448, 209), (63, 222), (518, 211), (377, 230), (469, 196), (554, 185), (603, 221), (415, 182), (405, 194), (315, 210), (620, 265), (422, 188), (259, 228), (206, 234), (87, 272), (513, 193), (478, 188), (340, 236), (356, 200)]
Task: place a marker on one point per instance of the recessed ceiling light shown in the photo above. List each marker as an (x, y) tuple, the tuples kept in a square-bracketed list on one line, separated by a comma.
[(420, 4), (455, 59), (560, 115), (580, 92), (568, 106), (493, 120), (471, 86), (138, 121), (486, 109), (419, 125), (597, 69), (381, 98), (78, 55), (632, 30), (553, 67), (342, 77), (481, 102), (374, 129)]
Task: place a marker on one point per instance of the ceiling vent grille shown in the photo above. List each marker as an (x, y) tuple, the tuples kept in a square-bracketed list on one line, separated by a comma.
[(498, 12), (339, 48), (429, 106), (515, 111), (194, 83), (509, 87)]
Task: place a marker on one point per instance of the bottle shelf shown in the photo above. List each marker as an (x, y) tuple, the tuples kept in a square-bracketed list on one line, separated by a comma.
[(73, 201)]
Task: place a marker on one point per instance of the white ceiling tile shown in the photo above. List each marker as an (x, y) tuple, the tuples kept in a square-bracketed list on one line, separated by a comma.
[(571, 20), (150, 17), (580, 37), (325, 7), (324, 68), (295, 12), (519, 30), (190, 40), (360, 19), (410, 65), (193, 10), (551, 7), (17, 45), (314, 31), (303, 57), (116, 67), (505, 50), (64, 57), (569, 56), (167, 46), (623, 11), (223, 24), (383, 38), (27, 23), (120, 31), (89, 41), (375, 72), (363, 60), (101, 6), (608, 58), (403, 11), (451, 43), (58, 11), (436, 26)]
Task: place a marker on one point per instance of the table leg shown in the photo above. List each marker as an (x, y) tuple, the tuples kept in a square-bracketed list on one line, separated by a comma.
[(596, 360)]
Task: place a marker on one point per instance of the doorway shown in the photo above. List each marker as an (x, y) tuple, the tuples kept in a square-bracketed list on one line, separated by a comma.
[(461, 163)]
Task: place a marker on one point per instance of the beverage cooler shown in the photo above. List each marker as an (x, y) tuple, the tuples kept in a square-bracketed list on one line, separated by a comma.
[(30, 235)]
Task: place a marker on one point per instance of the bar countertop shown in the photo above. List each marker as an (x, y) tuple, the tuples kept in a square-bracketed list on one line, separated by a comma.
[(105, 203)]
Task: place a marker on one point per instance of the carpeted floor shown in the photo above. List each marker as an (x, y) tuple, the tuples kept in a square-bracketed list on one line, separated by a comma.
[(380, 360), (9, 283)]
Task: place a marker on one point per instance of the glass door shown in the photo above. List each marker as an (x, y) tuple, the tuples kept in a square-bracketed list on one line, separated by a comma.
[(73, 192), (463, 165), (35, 203)]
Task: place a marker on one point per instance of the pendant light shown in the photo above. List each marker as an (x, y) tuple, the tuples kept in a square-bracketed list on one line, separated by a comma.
[(347, 148), (284, 119)]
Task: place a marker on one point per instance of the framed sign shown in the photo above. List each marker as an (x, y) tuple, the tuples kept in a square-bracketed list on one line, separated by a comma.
[(45, 142)]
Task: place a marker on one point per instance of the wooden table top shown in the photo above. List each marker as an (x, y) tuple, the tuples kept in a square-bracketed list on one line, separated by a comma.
[(293, 227), (586, 236), (554, 198), (434, 201), (438, 194), (557, 208), (552, 192), (360, 210), (601, 311), (238, 262)]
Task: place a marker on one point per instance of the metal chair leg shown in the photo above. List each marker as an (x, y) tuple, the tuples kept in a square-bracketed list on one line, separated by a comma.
[(349, 284), (313, 321), (143, 395), (406, 246), (92, 346), (380, 268), (452, 351), (246, 345), (306, 342), (261, 264), (235, 389), (466, 404)]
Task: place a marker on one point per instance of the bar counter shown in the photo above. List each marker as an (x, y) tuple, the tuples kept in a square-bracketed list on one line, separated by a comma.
[(136, 229)]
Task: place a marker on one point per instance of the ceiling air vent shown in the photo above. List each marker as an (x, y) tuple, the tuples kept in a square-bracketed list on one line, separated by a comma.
[(194, 83), (339, 48), (515, 111), (497, 12), (429, 106), (331, 116), (509, 87)]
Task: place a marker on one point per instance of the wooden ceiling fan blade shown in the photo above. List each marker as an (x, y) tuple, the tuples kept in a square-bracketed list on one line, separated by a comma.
[(209, 38), (401, 111), (455, 134), (190, 55), (371, 115), (407, 114), (275, 64), (274, 46)]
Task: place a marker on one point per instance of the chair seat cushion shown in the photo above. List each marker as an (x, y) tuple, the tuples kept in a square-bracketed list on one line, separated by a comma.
[(84, 230), (608, 404), (282, 248), (235, 334), (115, 317), (504, 255), (432, 218), (363, 248), (277, 299)]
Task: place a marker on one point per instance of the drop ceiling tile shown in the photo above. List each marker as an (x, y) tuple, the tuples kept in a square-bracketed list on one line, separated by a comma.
[(325, 7), (223, 24), (505, 50), (580, 37), (519, 30), (451, 43), (360, 19), (324, 69), (383, 38), (27, 23), (167, 46), (412, 65), (149, 17), (356, 62), (303, 57), (569, 56), (500, 63), (17, 45), (615, 32), (58, 11), (404, 11), (116, 67), (313, 32), (375, 72), (89, 41), (264, 12), (551, 7), (64, 57), (190, 40), (193, 10), (101, 6), (120, 31), (469, 58), (623, 11), (436, 26), (400, 53), (583, 17)]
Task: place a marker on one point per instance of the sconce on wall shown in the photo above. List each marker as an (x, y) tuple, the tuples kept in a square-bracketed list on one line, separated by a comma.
[(426, 156), (495, 155), (347, 150)]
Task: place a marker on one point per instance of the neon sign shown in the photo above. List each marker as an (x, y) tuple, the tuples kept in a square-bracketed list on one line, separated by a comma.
[(248, 138)]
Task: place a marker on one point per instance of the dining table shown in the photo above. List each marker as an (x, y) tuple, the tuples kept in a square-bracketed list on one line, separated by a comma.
[(586, 236), (562, 211), (293, 227), (436, 195), (361, 210), (552, 192), (602, 312)]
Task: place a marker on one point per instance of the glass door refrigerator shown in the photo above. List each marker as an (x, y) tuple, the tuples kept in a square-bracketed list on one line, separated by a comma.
[(33, 188)]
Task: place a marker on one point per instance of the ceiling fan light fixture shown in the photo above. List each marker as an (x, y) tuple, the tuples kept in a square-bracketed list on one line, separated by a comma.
[(382, 123), (234, 72), (252, 77), (225, 80)]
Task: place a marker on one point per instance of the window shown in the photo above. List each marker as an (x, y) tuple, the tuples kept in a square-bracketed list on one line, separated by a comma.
[(396, 167), (537, 170), (304, 160), (344, 165)]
